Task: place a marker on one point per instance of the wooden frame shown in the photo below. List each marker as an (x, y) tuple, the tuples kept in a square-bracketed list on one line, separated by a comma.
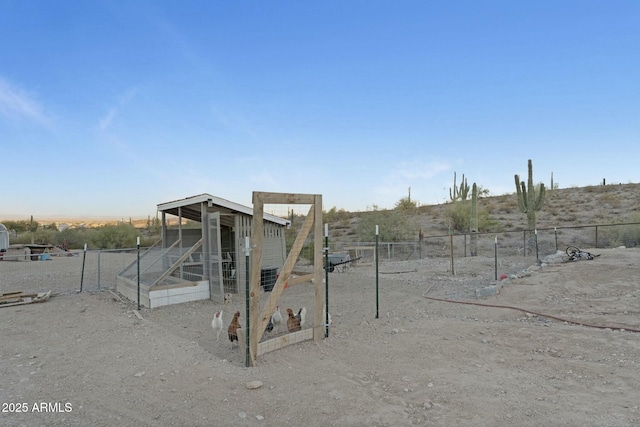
[(259, 319)]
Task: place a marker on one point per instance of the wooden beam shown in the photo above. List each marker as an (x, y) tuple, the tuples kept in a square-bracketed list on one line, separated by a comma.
[(259, 320), (15, 295), (31, 298), (284, 341), (285, 272), (274, 343), (257, 235), (300, 279), (178, 262), (287, 198)]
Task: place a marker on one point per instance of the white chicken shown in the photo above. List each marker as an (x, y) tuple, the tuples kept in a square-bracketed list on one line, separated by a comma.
[(216, 324), (276, 319), (324, 317)]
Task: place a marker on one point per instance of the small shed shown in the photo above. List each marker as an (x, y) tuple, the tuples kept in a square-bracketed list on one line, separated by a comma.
[(203, 258)]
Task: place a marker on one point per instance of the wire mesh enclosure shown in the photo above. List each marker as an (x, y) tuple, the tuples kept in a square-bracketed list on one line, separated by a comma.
[(92, 270)]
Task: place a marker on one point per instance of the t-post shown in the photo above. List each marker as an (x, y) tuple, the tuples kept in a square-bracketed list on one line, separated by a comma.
[(326, 280), (138, 272), (376, 255), (495, 258), (247, 251)]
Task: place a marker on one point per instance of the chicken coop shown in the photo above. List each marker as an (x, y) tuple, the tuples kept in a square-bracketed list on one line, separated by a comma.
[(201, 253)]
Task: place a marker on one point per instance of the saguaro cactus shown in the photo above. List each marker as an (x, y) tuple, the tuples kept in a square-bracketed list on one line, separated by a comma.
[(462, 192), (528, 201)]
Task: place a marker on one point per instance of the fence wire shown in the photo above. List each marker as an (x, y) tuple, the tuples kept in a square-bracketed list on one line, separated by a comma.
[(94, 270), (64, 272)]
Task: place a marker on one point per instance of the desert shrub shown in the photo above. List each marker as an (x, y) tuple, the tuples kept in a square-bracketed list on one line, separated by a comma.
[(506, 204), (21, 226), (406, 205), (115, 237), (570, 217), (630, 236), (333, 215), (486, 223), (75, 237), (20, 238), (610, 199), (393, 226), (339, 225), (44, 236), (459, 216), (592, 189), (623, 235)]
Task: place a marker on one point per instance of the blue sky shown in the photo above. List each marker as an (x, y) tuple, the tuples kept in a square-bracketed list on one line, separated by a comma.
[(109, 108)]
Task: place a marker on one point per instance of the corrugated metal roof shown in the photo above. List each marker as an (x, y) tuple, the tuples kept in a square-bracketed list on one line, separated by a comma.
[(191, 208)]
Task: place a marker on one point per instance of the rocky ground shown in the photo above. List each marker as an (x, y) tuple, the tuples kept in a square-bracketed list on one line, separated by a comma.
[(557, 346)]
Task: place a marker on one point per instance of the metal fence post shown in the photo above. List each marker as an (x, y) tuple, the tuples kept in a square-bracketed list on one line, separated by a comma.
[(326, 280), (247, 289), (84, 257), (138, 273), (376, 257), (495, 258)]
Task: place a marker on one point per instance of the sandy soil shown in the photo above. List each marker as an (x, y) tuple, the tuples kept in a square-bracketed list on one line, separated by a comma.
[(86, 359)]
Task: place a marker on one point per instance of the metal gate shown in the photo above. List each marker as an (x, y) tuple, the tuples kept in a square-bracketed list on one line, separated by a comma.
[(214, 256)]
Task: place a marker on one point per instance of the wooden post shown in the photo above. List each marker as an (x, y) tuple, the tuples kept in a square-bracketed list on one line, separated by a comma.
[(257, 234)]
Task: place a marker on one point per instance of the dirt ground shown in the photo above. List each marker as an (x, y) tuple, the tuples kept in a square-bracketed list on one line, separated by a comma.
[(86, 359)]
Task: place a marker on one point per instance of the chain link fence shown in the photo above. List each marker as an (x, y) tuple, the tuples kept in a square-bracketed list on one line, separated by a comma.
[(538, 243), (94, 270), (64, 272)]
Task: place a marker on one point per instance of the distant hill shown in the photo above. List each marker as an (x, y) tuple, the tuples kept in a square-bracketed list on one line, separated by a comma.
[(574, 206), (596, 204)]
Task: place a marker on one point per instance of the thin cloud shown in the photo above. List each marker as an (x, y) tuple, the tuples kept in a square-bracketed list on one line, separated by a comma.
[(105, 122), (16, 103)]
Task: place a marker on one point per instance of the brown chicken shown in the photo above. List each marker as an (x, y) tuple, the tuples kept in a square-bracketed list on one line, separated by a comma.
[(293, 322), (233, 328)]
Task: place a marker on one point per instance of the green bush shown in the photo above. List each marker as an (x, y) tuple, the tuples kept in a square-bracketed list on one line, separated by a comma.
[(393, 226), (406, 205), (459, 217), (116, 237), (44, 236), (334, 214), (17, 226), (623, 235), (75, 237)]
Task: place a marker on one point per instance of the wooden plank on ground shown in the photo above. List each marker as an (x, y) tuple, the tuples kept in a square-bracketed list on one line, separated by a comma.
[(27, 299), (8, 296)]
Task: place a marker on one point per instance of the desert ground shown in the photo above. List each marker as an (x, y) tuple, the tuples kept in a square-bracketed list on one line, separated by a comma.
[(559, 345)]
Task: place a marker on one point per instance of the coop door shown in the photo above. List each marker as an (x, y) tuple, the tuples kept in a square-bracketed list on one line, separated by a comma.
[(216, 284)]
